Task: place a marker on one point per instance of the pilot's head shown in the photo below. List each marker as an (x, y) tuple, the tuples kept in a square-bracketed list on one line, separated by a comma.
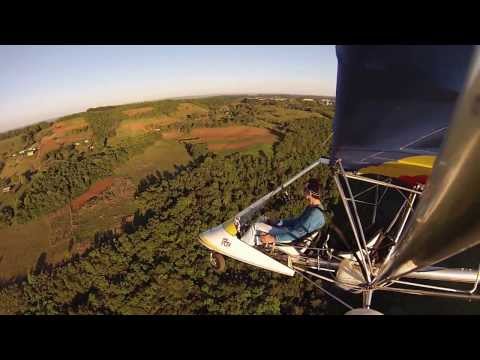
[(312, 191)]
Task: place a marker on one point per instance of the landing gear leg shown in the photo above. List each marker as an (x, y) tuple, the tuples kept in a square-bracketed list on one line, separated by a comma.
[(367, 299)]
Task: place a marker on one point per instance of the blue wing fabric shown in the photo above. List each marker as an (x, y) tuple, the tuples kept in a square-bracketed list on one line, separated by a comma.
[(395, 101)]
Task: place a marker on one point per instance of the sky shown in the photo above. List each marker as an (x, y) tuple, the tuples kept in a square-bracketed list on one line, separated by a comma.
[(43, 82)]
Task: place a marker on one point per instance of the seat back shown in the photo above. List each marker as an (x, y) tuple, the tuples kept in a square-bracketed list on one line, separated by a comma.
[(299, 247)]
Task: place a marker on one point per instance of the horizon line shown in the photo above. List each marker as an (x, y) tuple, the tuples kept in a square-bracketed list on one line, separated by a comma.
[(168, 98)]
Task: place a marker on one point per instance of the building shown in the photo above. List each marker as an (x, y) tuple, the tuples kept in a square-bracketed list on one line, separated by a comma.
[(30, 153), (6, 189), (328, 101), (85, 141), (309, 100)]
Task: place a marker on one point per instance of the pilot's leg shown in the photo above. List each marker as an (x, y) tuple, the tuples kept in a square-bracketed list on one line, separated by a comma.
[(251, 236)]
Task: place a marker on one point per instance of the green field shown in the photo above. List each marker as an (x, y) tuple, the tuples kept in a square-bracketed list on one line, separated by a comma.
[(104, 214), (8, 199), (163, 155), (11, 145), (19, 165), (21, 246), (271, 113)]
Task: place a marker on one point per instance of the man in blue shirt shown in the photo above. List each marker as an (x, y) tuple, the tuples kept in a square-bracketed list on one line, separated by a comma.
[(291, 230)]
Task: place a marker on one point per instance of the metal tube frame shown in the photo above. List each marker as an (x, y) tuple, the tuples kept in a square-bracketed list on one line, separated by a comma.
[(379, 182), (359, 222), (374, 214), (363, 263), (431, 293), (410, 201), (434, 274)]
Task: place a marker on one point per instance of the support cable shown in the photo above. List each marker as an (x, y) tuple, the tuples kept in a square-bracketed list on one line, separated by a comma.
[(325, 291)]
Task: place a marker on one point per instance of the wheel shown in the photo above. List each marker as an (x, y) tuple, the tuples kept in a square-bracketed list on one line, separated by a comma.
[(218, 262), (363, 312)]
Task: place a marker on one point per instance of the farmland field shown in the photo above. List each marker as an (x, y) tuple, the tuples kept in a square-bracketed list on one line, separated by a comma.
[(146, 123), (105, 211), (227, 138), (11, 145), (162, 155), (21, 246), (64, 132)]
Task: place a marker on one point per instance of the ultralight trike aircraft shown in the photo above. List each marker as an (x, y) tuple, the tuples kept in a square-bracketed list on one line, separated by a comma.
[(407, 121)]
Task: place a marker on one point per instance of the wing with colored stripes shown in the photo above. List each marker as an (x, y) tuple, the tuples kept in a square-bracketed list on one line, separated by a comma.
[(394, 104)]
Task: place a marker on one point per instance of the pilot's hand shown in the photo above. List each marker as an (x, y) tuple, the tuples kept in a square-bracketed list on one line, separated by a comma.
[(267, 239)]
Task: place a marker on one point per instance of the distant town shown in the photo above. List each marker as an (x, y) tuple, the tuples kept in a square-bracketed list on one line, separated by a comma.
[(323, 101)]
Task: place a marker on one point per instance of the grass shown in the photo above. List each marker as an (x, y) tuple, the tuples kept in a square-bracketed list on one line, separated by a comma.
[(134, 126), (20, 164), (271, 113), (105, 213), (45, 132), (105, 216), (21, 246), (11, 145), (162, 155), (8, 199), (215, 101), (70, 124), (143, 123)]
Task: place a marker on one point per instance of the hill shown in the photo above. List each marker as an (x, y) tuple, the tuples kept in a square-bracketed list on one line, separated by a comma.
[(103, 207)]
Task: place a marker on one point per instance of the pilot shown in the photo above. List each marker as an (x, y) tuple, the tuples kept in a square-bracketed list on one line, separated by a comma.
[(290, 230)]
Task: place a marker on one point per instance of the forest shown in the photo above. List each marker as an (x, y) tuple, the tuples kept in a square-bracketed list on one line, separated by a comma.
[(26, 132), (158, 265)]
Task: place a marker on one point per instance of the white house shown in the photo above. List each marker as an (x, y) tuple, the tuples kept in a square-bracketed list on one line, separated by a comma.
[(310, 100), (30, 153), (328, 101), (6, 189)]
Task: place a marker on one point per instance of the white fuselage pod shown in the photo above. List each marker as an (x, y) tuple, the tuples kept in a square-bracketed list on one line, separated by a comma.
[(222, 239)]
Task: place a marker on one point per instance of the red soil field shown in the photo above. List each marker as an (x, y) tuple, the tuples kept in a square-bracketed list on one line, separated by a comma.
[(54, 141), (94, 190)]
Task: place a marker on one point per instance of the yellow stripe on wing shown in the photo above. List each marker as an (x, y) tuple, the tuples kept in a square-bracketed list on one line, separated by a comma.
[(409, 166)]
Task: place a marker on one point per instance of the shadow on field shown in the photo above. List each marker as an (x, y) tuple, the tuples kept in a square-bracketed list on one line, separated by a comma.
[(14, 280), (42, 265)]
